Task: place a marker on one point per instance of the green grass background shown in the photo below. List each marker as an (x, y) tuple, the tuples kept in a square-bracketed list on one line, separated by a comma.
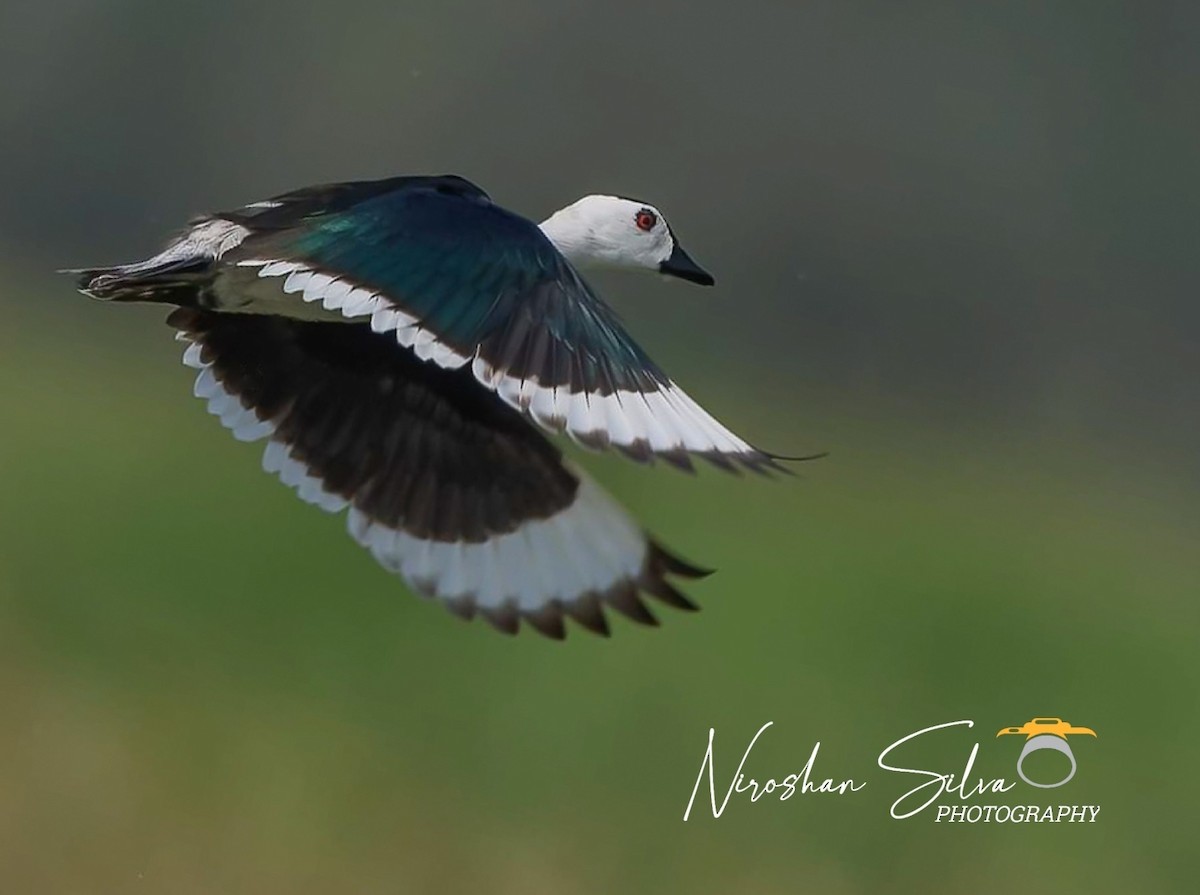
[(206, 686), (954, 245)]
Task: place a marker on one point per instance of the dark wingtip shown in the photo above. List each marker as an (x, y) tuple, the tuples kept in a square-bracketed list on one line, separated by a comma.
[(755, 460), (664, 591), (462, 607), (680, 459), (630, 605), (766, 462), (721, 460), (588, 610), (503, 618), (662, 561), (588, 613), (637, 450), (548, 620), (820, 455)]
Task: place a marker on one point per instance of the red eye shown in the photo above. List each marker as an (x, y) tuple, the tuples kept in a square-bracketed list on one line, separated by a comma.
[(645, 219)]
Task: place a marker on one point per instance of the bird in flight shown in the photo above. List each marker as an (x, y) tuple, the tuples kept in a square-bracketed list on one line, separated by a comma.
[(404, 346)]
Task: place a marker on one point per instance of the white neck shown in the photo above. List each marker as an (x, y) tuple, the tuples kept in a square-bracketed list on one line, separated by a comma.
[(571, 236)]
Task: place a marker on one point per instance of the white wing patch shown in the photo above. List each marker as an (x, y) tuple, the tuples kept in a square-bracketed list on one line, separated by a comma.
[(585, 550), (246, 426), (666, 421)]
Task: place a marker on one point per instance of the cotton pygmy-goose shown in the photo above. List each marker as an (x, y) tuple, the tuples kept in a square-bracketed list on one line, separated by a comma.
[(402, 345)]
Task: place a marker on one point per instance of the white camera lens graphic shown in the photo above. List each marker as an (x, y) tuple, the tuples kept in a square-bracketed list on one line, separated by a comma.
[(1046, 741)]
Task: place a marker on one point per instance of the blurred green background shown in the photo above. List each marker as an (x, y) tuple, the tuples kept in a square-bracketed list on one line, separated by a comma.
[(954, 246)]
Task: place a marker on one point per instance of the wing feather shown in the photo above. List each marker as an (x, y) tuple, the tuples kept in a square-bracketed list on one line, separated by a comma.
[(460, 281)]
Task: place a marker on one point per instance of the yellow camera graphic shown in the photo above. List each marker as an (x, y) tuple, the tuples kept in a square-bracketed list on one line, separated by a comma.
[(1046, 733)]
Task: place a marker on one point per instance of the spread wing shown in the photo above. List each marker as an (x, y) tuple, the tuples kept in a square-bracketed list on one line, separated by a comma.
[(445, 485), (464, 283)]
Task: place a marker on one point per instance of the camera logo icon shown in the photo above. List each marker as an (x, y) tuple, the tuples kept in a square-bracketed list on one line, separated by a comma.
[(1046, 733)]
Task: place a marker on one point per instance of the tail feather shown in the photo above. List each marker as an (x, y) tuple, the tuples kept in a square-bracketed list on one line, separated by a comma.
[(165, 281), (172, 275)]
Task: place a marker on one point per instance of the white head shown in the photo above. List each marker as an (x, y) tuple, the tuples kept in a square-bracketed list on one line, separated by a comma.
[(615, 232)]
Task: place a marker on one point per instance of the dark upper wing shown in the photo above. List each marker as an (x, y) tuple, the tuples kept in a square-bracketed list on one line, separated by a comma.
[(289, 209), (461, 281), (446, 485)]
